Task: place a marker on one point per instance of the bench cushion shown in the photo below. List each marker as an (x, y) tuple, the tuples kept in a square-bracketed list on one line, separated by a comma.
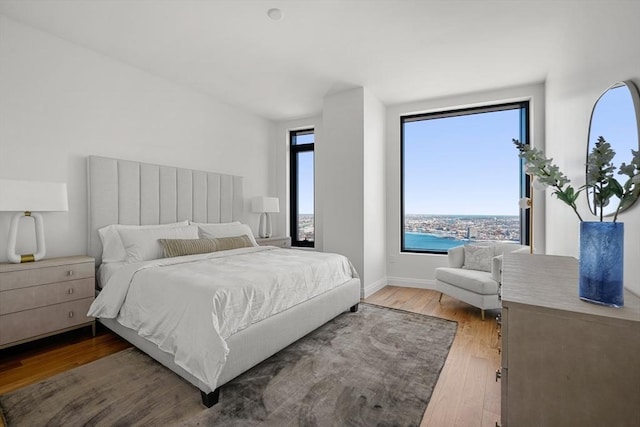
[(480, 282)]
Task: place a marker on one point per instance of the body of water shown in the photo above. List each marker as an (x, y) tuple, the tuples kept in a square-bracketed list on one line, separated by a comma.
[(423, 241)]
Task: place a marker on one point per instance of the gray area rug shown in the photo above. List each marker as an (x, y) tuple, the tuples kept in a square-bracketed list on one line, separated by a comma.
[(376, 367)]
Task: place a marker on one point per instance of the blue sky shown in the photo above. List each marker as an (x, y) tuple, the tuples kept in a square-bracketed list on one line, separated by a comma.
[(614, 119), (305, 175), (459, 165), (463, 165), (305, 183)]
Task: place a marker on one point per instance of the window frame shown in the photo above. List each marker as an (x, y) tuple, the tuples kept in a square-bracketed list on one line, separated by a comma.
[(525, 185), (296, 149)]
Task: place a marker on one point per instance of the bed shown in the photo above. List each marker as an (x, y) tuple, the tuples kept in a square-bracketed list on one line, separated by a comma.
[(207, 348)]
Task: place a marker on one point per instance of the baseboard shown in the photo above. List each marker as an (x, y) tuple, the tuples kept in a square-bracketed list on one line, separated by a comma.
[(374, 287), (405, 282), (409, 282)]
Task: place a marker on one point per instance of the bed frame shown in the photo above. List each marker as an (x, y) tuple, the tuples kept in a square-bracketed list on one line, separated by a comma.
[(127, 192)]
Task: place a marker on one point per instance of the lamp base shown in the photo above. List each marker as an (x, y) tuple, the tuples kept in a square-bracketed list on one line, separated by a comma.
[(265, 225), (13, 234)]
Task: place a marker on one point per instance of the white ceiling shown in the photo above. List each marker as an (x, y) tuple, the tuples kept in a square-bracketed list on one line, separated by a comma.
[(402, 50)]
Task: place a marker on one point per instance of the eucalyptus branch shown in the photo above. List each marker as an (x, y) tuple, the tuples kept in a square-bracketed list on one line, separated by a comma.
[(601, 204), (630, 192), (600, 177), (548, 174), (569, 197)]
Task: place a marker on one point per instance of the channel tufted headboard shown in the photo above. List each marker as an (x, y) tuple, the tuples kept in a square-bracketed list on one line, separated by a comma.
[(128, 192)]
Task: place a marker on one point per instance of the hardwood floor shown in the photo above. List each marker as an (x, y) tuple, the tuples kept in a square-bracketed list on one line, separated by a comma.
[(32, 362), (466, 394)]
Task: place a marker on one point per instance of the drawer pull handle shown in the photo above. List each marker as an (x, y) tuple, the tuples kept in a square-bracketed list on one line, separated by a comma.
[(71, 315), (70, 273), (70, 291)]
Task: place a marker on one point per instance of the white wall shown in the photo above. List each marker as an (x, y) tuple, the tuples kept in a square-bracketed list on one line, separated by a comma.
[(417, 270), (340, 175), (374, 194), (60, 102), (605, 55), (350, 180)]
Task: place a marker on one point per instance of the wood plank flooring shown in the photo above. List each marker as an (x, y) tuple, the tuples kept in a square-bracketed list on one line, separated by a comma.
[(466, 394), (32, 362)]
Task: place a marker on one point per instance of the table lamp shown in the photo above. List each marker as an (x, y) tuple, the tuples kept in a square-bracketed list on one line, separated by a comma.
[(265, 206), (27, 198)]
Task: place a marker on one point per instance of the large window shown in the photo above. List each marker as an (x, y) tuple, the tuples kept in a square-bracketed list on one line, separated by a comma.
[(462, 177), (302, 190)]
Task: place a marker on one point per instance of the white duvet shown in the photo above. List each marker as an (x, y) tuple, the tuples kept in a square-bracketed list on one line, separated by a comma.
[(189, 305)]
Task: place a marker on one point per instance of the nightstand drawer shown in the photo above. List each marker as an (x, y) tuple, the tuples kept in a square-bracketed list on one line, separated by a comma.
[(283, 242), (40, 276), (41, 321), (39, 296)]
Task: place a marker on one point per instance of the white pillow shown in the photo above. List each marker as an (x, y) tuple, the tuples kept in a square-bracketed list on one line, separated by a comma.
[(478, 257), (144, 245), (112, 247), (210, 231)]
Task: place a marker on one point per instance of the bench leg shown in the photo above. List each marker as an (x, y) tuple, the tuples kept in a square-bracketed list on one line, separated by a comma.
[(482, 314)]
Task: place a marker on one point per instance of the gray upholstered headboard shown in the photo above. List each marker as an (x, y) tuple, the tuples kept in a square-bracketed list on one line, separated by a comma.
[(128, 192)]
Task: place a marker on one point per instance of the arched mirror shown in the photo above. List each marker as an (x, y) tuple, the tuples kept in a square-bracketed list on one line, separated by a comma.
[(616, 117)]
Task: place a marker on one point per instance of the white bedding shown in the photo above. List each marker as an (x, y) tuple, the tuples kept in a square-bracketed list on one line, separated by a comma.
[(106, 270), (178, 302)]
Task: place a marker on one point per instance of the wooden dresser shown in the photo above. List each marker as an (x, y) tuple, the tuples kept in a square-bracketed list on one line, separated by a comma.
[(565, 362), (45, 297)]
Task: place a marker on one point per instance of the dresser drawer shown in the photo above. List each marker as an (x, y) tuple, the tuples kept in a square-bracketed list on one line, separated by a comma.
[(40, 276), (39, 296), (41, 321)]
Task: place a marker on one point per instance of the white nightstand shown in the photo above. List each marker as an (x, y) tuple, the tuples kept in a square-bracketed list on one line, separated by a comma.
[(283, 242)]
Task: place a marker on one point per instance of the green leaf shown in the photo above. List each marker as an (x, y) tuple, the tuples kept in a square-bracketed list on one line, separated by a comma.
[(615, 188)]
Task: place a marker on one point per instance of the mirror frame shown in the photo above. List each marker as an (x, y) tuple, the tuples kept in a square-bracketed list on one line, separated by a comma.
[(635, 98)]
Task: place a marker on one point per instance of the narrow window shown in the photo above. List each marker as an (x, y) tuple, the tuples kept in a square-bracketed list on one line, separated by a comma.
[(462, 177), (302, 188)]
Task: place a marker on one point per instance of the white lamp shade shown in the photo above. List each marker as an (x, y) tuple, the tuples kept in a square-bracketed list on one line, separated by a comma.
[(265, 204), (33, 196)]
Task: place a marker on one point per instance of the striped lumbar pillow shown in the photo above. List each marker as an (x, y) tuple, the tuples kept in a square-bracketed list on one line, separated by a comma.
[(180, 247)]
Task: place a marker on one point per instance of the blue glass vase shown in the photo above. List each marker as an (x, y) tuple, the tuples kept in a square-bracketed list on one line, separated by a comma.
[(601, 263)]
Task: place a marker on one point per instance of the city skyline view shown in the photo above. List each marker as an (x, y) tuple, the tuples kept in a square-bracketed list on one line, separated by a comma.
[(438, 233), (446, 230)]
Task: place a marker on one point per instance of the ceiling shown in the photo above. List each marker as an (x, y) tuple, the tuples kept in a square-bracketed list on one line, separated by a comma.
[(401, 50)]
